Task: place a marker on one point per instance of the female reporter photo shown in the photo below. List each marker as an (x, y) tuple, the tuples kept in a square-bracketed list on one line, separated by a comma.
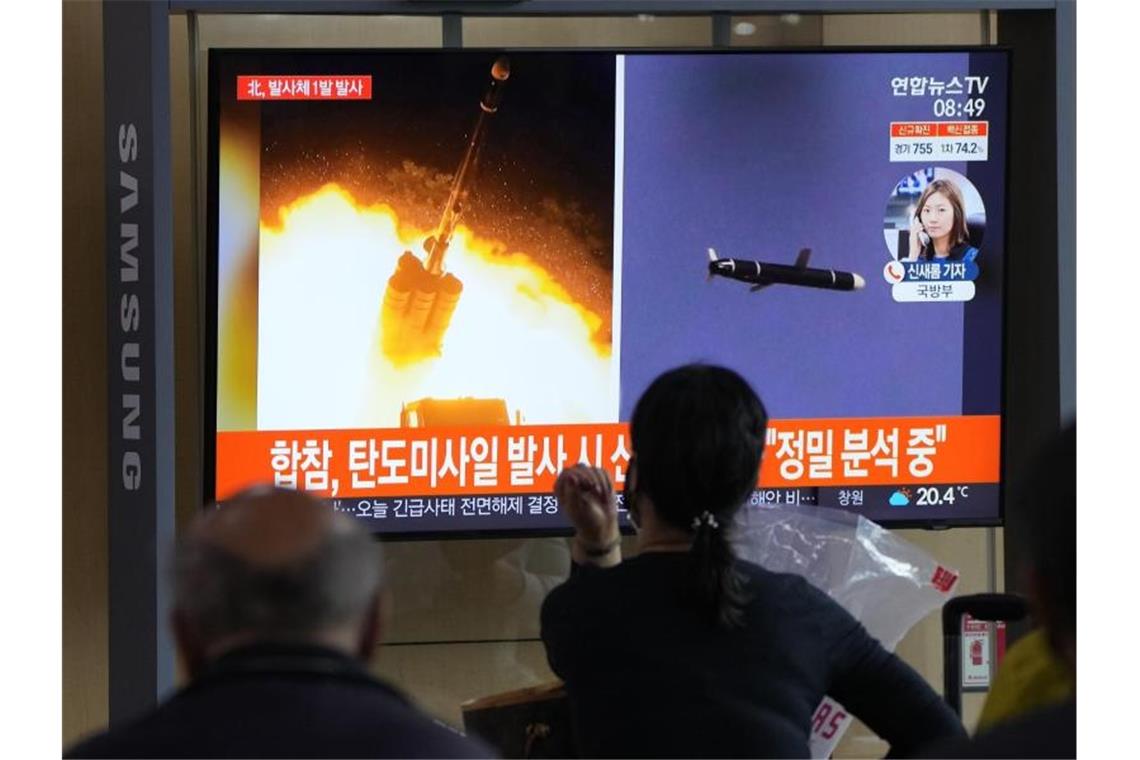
[(938, 228)]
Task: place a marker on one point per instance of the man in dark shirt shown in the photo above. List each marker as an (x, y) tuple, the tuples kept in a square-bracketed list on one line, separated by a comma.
[(278, 608)]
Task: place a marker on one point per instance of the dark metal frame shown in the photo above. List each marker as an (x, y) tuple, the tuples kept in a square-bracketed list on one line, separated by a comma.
[(210, 327)]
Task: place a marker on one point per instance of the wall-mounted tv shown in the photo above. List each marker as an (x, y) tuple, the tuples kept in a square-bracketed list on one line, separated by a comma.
[(436, 278)]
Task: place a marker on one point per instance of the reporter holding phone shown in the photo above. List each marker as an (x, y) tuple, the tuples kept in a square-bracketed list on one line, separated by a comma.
[(938, 229), (684, 650)]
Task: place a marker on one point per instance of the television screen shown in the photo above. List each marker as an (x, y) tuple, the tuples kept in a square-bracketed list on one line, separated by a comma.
[(439, 277)]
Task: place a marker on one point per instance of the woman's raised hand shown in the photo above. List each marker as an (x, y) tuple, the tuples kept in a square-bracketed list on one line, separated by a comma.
[(586, 496)]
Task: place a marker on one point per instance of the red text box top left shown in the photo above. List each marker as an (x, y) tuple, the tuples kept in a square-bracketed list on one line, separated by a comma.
[(307, 87)]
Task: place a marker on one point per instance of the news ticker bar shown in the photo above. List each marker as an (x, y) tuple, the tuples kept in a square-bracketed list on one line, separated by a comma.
[(425, 514)]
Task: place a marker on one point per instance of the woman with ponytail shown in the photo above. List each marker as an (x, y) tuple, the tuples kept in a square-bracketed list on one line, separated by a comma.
[(684, 650)]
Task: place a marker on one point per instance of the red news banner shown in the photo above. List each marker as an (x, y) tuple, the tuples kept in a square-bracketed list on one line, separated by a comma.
[(307, 87), (527, 459)]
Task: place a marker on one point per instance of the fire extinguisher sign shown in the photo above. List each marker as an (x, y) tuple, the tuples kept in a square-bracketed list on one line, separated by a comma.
[(980, 648)]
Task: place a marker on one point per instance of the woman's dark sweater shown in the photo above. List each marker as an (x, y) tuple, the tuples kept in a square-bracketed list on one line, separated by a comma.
[(649, 674)]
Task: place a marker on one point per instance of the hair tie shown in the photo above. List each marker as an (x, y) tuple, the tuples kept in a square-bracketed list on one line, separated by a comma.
[(706, 518)]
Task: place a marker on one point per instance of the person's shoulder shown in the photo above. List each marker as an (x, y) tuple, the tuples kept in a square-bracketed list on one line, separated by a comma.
[(790, 593), (102, 744), (589, 586), (565, 604), (390, 725), (417, 736), (133, 739), (790, 584), (162, 731), (367, 718)]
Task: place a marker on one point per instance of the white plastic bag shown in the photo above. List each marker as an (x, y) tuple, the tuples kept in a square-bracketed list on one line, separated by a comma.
[(886, 584)]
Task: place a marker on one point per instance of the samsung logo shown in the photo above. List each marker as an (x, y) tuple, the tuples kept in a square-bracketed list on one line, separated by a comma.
[(129, 307)]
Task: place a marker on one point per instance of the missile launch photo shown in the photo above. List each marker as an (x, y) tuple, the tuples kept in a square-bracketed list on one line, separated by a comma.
[(446, 244)]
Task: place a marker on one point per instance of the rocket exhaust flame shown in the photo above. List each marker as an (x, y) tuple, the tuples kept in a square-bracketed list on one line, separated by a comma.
[(514, 323)]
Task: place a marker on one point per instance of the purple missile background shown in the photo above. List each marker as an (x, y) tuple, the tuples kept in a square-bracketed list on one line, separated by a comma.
[(759, 156)]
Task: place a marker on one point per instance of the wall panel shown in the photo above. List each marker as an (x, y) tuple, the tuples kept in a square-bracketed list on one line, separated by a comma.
[(84, 375)]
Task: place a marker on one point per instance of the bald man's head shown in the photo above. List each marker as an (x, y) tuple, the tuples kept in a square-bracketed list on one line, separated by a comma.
[(275, 565)]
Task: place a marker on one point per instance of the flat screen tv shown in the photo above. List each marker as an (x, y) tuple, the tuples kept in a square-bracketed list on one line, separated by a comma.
[(436, 278)]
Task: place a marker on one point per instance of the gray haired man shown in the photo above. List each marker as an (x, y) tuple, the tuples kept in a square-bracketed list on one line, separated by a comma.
[(278, 608)]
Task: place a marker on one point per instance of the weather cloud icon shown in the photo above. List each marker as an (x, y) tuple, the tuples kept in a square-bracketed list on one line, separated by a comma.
[(900, 498)]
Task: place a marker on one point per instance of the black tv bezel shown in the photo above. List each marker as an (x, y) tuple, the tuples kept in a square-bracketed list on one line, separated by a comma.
[(210, 342)]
